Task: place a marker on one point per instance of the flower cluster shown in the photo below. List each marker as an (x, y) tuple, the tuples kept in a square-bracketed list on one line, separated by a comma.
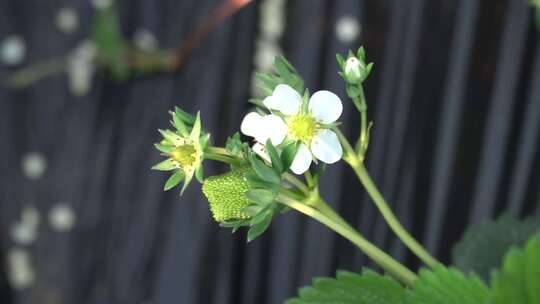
[(289, 130)]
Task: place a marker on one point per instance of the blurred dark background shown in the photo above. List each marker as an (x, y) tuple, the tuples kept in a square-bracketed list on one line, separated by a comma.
[(455, 99)]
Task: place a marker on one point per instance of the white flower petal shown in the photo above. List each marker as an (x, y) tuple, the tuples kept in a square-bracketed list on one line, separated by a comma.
[(302, 160), (261, 151), (325, 106), (284, 99), (275, 129), (251, 124), (326, 147)]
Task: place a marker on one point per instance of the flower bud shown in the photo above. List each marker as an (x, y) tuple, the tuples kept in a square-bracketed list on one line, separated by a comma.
[(226, 195), (355, 70)]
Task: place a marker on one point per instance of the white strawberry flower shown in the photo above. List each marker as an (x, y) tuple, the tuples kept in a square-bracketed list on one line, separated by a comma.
[(309, 127)]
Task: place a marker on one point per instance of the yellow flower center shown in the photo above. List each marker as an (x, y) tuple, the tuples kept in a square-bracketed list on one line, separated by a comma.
[(185, 155), (302, 127)]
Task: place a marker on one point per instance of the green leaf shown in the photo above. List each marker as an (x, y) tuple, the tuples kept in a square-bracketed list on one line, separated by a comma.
[(348, 288), (519, 279), (109, 42), (166, 165), (483, 247), (174, 180), (264, 172), (274, 156), (261, 196), (259, 228), (448, 286)]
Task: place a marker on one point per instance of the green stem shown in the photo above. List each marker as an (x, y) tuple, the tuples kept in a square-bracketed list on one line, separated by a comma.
[(388, 215), (356, 163), (390, 265), (362, 142)]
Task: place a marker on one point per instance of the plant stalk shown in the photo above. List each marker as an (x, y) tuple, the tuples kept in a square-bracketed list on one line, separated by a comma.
[(393, 267)]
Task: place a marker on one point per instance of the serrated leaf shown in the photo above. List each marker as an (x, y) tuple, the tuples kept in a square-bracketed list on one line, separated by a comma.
[(166, 165), (259, 228), (448, 286), (483, 247), (174, 180), (519, 279), (366, 288), (264, 172)]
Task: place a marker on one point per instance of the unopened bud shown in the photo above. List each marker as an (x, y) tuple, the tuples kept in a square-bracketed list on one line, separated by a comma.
[(355, 70)]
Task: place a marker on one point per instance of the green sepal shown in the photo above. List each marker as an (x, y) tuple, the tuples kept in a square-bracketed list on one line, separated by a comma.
[(263, 171), (203, 142), (261, 196), (340, 60), (274, 157), (255, 181), (166, 165), (287, 155), (259, 228), (171, 137), (235, 225), (187, 180), (167, 149), (184, 116), (234, 145), (179, 125), (199, 173), (195, 134), (174, 180), (361, 54)]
